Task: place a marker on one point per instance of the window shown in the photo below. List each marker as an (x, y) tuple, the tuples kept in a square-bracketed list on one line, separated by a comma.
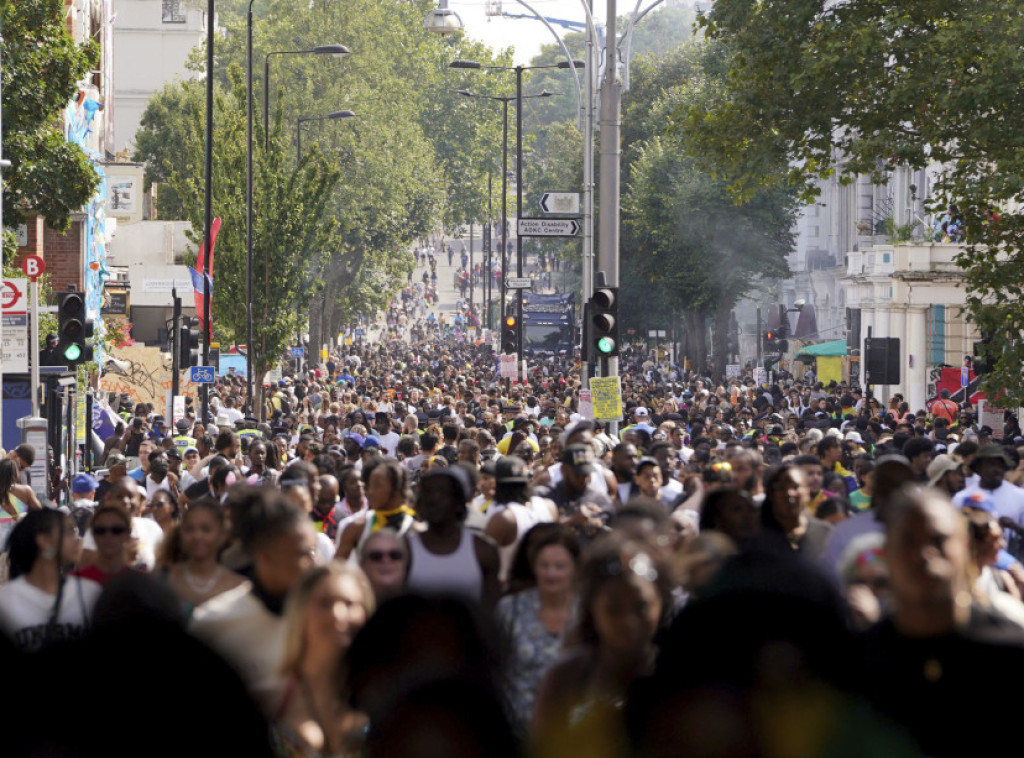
[(936, 335), (173, 12)]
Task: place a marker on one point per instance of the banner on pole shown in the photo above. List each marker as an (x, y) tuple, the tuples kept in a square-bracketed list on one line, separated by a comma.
[(586, 406)]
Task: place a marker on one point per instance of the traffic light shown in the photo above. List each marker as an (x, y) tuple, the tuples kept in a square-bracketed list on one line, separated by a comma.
[(188, 343), (510, 336), (604, 322), (984, 360), (769, 341), (73, 329)]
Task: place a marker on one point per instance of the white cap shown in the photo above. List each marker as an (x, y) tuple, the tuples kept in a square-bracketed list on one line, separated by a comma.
[(852, 436)]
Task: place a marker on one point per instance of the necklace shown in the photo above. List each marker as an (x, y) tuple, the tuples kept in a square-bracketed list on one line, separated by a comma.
[(202, 587)]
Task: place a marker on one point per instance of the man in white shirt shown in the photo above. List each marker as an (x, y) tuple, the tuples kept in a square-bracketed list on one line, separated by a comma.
[(991, 464)]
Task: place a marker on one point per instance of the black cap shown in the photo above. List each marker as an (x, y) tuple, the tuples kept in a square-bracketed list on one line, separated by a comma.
[(511, 470)]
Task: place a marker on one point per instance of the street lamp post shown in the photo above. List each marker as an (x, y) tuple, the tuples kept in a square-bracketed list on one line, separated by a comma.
[(338, 50), (336, 115), (519, 97)]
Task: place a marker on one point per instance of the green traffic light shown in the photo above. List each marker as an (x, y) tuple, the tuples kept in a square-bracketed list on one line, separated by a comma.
[(606, 345), (73, 352)]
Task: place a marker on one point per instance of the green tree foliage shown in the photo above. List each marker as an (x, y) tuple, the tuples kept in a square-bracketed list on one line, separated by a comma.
[(41, 68), (859, 87), (292, 222), (688, 248), (410, 160)]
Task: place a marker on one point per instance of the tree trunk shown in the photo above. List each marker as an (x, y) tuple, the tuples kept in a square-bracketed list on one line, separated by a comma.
[(720, 348), (693, 338)]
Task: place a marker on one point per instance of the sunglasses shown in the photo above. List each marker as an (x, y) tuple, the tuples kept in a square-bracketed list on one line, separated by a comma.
[(117, 531), (378, 556)]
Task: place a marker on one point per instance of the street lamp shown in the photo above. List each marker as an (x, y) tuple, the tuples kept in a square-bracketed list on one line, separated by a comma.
[(504, 100), (335, 116), (442, 20), (475, 65), (339, 51)]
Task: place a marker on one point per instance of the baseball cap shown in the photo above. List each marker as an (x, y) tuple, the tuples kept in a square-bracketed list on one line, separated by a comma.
[(511, 470), (854, 437), (183, 425), (978, 501), (83, 483), (580, 457), (640, 412), (116, 459), (939, 467), (370, 442), (190, 449)]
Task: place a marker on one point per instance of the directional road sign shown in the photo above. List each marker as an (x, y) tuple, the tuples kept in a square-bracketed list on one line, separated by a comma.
[(298, 352), (201, 374), (549, 227), (519, 283), (560, 202)]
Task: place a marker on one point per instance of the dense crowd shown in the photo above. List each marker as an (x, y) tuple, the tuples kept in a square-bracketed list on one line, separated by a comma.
[(412, 556)]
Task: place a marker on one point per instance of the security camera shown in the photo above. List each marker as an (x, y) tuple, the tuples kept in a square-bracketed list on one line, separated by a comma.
[(799, 304)]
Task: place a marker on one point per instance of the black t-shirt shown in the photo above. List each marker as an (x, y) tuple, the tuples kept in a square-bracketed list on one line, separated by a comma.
[(198, 489), (954, 694)]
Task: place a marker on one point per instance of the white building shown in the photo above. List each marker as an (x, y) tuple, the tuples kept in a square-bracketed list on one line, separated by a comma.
[(915, 293), (152, 42)]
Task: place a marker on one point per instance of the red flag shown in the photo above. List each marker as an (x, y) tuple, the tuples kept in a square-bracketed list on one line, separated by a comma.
[(200, 311)]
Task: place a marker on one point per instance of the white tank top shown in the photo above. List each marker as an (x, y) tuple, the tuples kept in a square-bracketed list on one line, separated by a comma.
[(527, 516), (457, 573)]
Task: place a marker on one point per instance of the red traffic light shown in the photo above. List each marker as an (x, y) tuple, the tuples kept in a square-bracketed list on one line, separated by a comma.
[(769, 336), (510, 321)]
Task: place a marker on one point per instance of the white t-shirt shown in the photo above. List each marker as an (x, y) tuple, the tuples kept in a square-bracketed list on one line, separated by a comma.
[(152, 487), (238, 626), (25, 611)]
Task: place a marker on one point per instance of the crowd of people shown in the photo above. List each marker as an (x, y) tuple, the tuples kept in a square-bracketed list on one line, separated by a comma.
[(408, 555)]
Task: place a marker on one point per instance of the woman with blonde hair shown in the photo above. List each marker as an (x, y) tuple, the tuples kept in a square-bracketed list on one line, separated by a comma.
[(322, 615)]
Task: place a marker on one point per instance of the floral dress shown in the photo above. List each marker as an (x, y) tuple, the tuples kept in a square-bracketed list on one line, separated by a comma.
[(532, 651)]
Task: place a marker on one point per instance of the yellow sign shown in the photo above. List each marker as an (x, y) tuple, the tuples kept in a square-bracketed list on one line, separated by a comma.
[(80, 425), (348, 340), (323, 353), (606, 396)]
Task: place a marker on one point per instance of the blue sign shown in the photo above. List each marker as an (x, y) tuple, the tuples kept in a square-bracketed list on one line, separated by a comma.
[(298, 352), (965, 376), (360, 332), (202, 374)]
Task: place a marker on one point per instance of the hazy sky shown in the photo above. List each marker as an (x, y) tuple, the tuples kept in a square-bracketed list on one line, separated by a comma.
[(525, 35)]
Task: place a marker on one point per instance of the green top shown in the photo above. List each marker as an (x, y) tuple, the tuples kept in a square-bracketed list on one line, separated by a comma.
[(860, 500)]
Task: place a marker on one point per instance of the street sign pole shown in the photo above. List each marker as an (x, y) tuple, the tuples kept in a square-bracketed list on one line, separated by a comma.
[(33, 267), (33, 345)]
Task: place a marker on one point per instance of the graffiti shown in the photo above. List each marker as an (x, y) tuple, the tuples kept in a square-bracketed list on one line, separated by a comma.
[(142, 374)]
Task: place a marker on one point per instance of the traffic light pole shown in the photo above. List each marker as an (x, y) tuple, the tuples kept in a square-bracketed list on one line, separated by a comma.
[(608, 198), (519, 209), (175, 339)]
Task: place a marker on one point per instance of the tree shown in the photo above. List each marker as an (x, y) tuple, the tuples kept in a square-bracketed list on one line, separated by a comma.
[(292, 223), (688, 248), (41, 68), (859, 87)]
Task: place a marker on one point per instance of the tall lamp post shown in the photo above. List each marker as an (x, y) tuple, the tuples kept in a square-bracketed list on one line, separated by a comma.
[(335, 116), (467, 64), (504, 100), (336, 50)]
